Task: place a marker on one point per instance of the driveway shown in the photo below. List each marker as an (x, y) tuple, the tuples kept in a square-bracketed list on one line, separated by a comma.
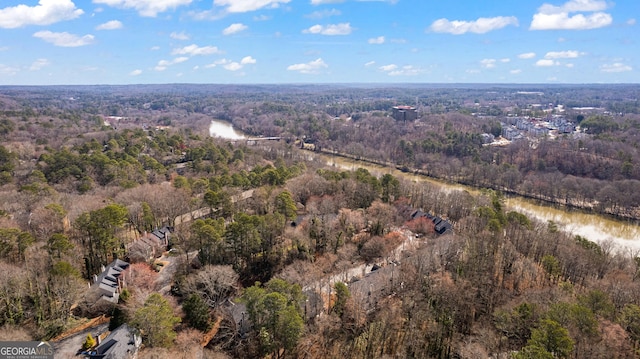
[(69, 346)]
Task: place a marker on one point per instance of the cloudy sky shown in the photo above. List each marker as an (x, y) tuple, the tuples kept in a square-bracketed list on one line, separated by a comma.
[(45, 42)]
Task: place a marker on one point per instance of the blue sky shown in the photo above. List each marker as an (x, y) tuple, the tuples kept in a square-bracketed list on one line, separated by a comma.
[(50, 42)]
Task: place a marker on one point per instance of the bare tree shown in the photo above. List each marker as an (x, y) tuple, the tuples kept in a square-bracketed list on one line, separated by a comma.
[(213, 283)]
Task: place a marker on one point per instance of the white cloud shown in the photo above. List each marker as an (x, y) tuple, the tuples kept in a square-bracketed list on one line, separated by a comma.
[(546, 63), (8, 70), (207, 15), (324, 13), (147, 8), (47, 12), (407, 70), (39, 64), (163, 64), (312, 67), (179, 35), (505, 60), (576, 22), (575, 6), (248, 5), (377, 40), (247, 60), (320, 2), (110, 25), (234, 28), (194, 50), (527, 55), (315, 29), (370, 63), (261, 17), (615, 67), (390, 67), (551, 17), (64, 39), (515, 72), (155, 48), (480, 26), (135, 72), (562, 54), (332, 29), (569, 65), (232, 65), (631, 22), (488, 63), (217, 63)]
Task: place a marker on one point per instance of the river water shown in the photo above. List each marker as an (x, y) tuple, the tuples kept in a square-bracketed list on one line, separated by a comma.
[(223, 129), (624, 234)]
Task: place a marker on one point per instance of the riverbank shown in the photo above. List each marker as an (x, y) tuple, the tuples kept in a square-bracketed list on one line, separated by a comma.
[(633, 215), (623, 233)]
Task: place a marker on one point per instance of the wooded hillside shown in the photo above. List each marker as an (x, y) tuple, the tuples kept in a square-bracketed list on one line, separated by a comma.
[(272, 253)]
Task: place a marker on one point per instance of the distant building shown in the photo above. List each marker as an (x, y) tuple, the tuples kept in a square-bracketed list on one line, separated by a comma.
[(404, 113), (487, 137), (511, 133)]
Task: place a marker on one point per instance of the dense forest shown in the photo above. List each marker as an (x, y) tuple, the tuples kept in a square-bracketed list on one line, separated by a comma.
[(273, 254)]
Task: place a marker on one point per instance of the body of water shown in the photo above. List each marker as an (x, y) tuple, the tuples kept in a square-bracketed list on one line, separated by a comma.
[(597, 228), (222, 129)]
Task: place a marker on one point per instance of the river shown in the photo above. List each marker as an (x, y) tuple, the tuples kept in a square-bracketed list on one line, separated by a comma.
[(222, 129), (597, 228)]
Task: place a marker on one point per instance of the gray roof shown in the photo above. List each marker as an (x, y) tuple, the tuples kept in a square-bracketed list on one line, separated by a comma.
[(162, 233), (121, 343), (107, 282)]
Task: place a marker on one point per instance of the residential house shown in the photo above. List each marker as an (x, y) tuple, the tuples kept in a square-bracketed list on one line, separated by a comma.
[(150, 245), (163, 234), (122, 343), (109, 283), (237, 311), (440, 225)]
